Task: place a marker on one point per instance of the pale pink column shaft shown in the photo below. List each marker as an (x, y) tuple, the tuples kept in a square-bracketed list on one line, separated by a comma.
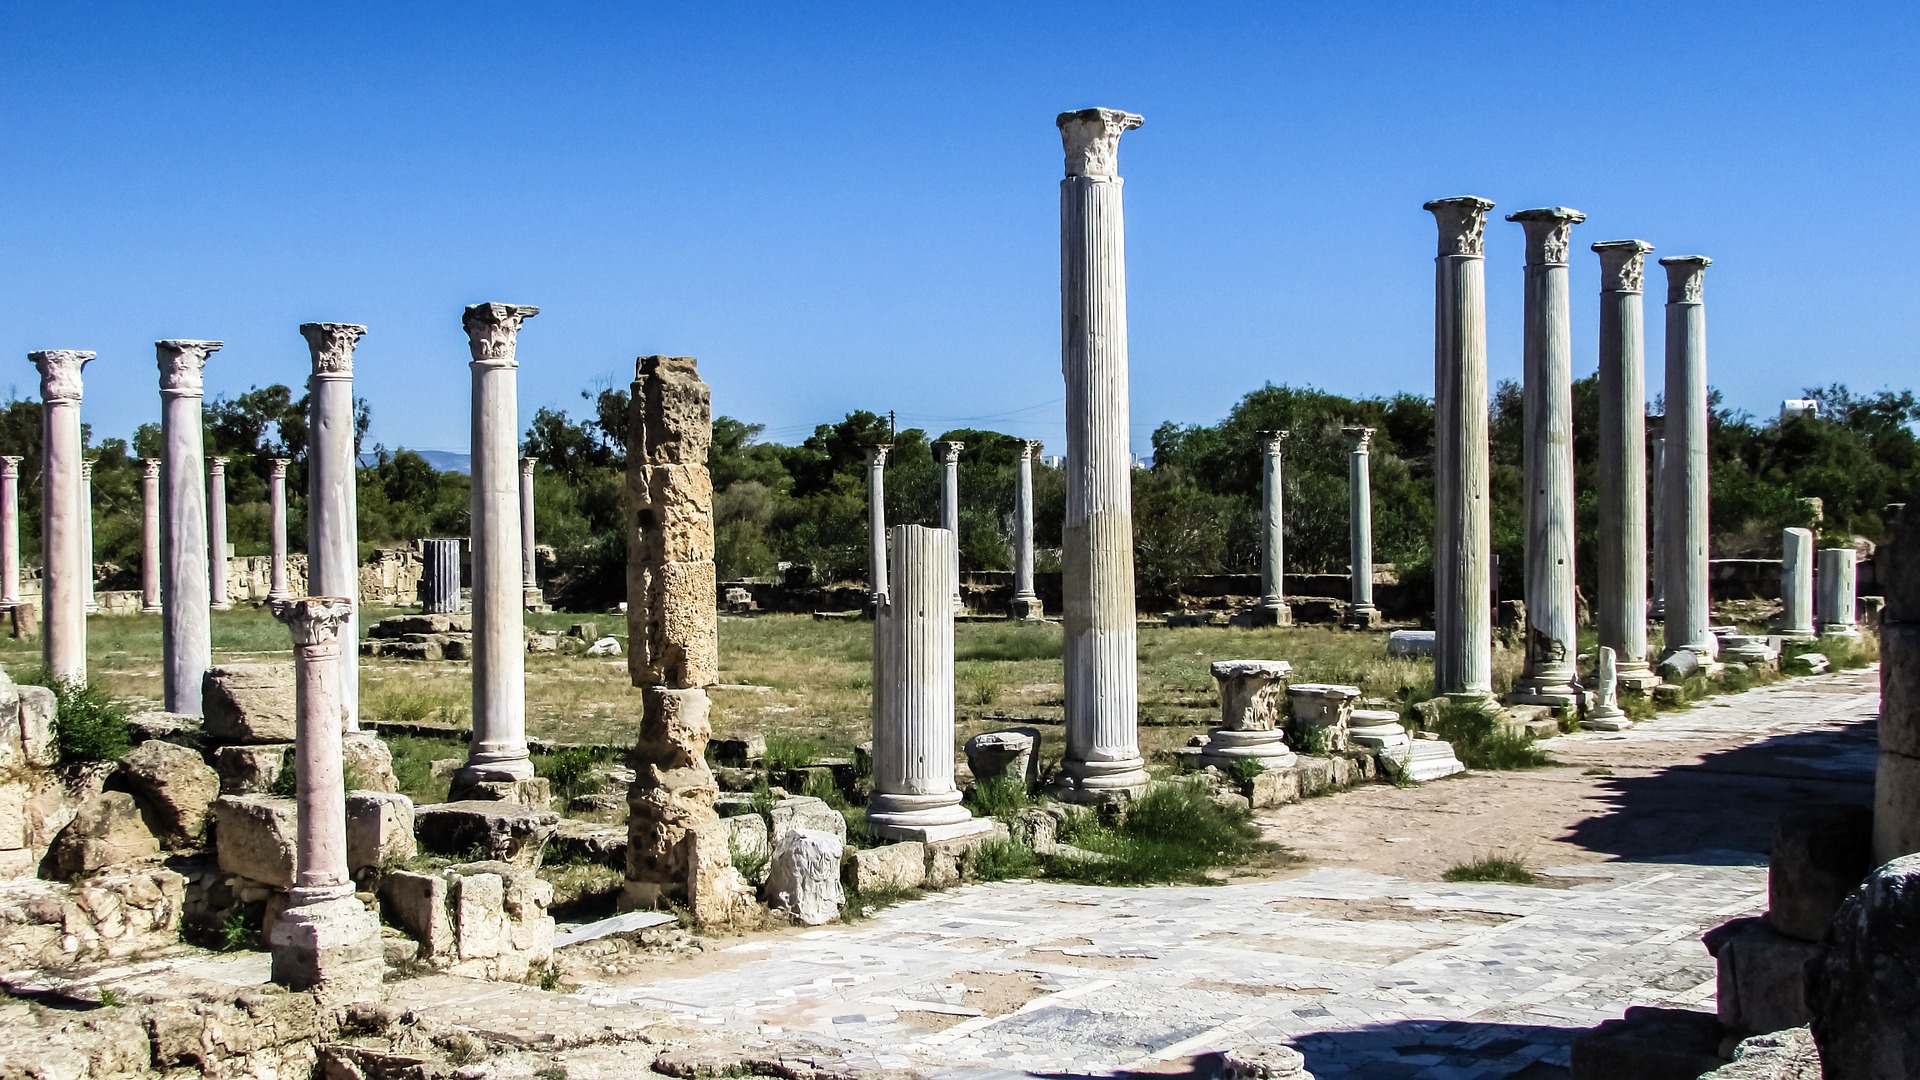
[(150, 535), (320, 852), (9, 530), (277, 499), (63, 593)]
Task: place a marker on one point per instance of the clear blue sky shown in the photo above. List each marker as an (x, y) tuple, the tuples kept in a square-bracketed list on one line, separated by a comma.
[(854, 206)]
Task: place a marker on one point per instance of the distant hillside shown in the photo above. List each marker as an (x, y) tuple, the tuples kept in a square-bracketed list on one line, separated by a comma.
[(441, 460)]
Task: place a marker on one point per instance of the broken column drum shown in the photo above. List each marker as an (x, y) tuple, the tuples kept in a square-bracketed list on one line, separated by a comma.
[(1273, 540), (217, 534), (1252, 714), (877, 523), (440, 583), (1689, 613), (1796, 585), (498, 751), (1837, 577), (1026, 602), (1606, 714), (150, 535), (1463, 617), (9, 531), (948, 454), (86, 531), (333, 529), (186, 635), (1363, 614), (65, 566), (529, 572), (914, 796), (1102, 754), (1621, 613), (277, 510)]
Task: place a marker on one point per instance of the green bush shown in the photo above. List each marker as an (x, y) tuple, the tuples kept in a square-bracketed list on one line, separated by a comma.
[(572, 771), (1480, 742), (1001, 797), (1003, 857), (1173, 833), (1244, 769), (88, 724), (1496, 868)]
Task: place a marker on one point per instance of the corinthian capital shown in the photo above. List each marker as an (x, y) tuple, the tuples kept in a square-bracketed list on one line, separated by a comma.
[(1092, 138), (10, 467), (280, 468), (1686, 277), (1272, 441), (494, 329), (1463, 223), (1029, 448), (86, 468), (331, 344), (150, 467), (526, 465), (948, 452), (877, 453), (1359, 439), (1549, 233), (1623, 264), (182, 363), (60, 374), (314, 620)]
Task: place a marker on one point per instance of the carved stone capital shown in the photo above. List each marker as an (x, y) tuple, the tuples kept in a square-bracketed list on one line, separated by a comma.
[(1686, 278), (877, 454), (86, 469), (217, 466), (1463, 223), (1029, 448), (526, 465), (1359, 439), (1549, 233), (331, 344), (948, 453), (494, 329), (1092, 139), (1271, 441), (60, 374), (1623, 264), (280, 468), (182, 365), (150, 467), (10, 467), (314, 620)]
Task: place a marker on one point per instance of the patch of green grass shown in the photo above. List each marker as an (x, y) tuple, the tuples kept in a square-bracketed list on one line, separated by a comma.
[(1314, 741), (1013, 642), (572, 771), (751, 862), (1481, 742), (820, 785), (978, 684), (1494, 868), (864, 905), (413, 758), (1002, 797), (1001, 858), (396, 700), (109, 999), (1173, 833), (88, 724), (1244, 769), (786, 750), (1846, 654), (550, 980)]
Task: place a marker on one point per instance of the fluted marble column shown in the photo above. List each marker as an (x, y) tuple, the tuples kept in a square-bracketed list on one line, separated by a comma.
[(1102, 757), (1621, 614), (326, 938), (1463, 599), (1796, 585), (217, 534), (1363, 614), (150, 535), (186, 636), (1689, 613), (333, 500), (86, 532), (1026, 602), (948, 454), (277, 510), (440, 583), (498, 751), (1657, 524), (1838, 567), (529, 574), (914, 796), (64, 564), (9, 531), (877, 523), (1273, 538)]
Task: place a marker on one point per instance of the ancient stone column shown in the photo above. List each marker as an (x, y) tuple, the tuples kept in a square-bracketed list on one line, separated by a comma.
[(86, 532), (440, 583), (498, 752), (948, 454), (326, 939), (1606, 714), (1549, 676), (9, 531), (1837, 578), (1273, 542), (529, 575), (1657, 525), (1621, 613), (1026, 602), (1102, 756), (1896, 788), (1796, 585), (150, 535), (1689, 612), (65, 566), (333, 501), (186, 635), (914, 796), (217, 534), (1253, 714), (877, 523), (277, 502), (1363, 615), (1463, 616)]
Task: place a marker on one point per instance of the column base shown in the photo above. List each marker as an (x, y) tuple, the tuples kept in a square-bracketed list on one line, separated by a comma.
[(332, 948), (276, 597), (1361, 617), (1380, 731), (153, 608), (1838, 630), (534, 600), (1268, 614), (1086, 782), (221, 606), (1803, 636), (1635, 677), (1606, 718), (532, 792), (1029, 607), (1555, 689), (923, 817), (93, 608), (1226, 746)]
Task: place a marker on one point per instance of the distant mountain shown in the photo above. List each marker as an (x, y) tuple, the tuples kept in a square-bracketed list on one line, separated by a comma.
[(441, 460)]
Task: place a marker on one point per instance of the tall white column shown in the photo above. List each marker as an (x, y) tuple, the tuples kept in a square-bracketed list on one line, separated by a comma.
[(86, 532), (1657, 523), (877, 523), (1026, 602), (1363, 614), (914, 796), (63, 561), (498, 751), (1621, 614), (150, 534), (333, 501), (9, 531), (1463, 597), (217, 534), (1796, 585), (1838, 570), (277, 510), (1102, 755), (529, 577), (186, 634), (1273, 539), (948, 454), (1689, 612)]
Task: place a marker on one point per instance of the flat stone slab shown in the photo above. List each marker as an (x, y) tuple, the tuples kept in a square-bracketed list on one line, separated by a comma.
[(628, 923), (1410, 643)]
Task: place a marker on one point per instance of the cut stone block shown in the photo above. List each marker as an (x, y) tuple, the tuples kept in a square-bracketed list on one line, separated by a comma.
[(1410, 643), (1761, 985), (108, 831), (805, 880), (175, 786), (251, 770), (806, 812), (248, 703), (1423, 760), (1865, 988), (890, 867), (368, 762), (379, 830), (494, 831), (1013, 753), (1821, 852), (1649, 1044), (255, 837)]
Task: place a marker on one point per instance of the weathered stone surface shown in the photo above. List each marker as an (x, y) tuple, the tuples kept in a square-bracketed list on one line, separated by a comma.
[(379, 830), (1649, 1044), (1274, 787), (175, 786), (107, 831), (248, 703), (805, 880), (672, 619), (59, 1044), (676, 642), (251, 770), (891, 867), (949, 861), (1900, 688), (806, 812), (255, 837), (114, 915), (487, 919), (1865, 988), (1264, 1061), (1896, 806), (586, 841), (259, 1033), (1410, 643), (1778, 1055), (495, 831), (678, 499), (1013, 753), (26, 727), (1761, 987), (1820, 854), (717, 895), (1899, 563), (749, 839), (368, 762), (672, 793)]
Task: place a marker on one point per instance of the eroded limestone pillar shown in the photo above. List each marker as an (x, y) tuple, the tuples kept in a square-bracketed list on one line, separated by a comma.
[(877, 524), (529, 570), (326, 939), (186, 636), (9, 531), (948, 454), (64, 564), (1657, 524), (1273, 539), (1102, 755), (1463, 617), (1363, 614), (86, 532), (1689, 611), (1796, 585), (217, 534), (1026, 602), (1838, 584), (1620, 615), (914, 796), (150, 534), (333, 501), (277, 507)]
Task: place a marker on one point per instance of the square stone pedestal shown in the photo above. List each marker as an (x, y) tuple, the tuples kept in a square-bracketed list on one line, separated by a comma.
[(1361, 618), (1032, 609), (535, 600), (534, 792), (331, 948), (936, 833)]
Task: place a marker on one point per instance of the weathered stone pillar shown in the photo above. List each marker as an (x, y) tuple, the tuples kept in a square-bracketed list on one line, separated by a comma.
[(1273, 540), (1102, 757), (217, 534), (1657, 524), (1253, 714), (325, 940), (877, 524), (86, 532), (1463, 598), (64, 565), (1606, 714), (1896, 788), (948, 454), (186, 635), (1689, 611), (1026, 602), (914, 796), (440, 583), (1796, 585), (1621, 614), (277, 502), (1837, 578), (333, 500), (150, 535), (498, 752), (9, 531), (1549, 676), (529, 568), (1363, 615)]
